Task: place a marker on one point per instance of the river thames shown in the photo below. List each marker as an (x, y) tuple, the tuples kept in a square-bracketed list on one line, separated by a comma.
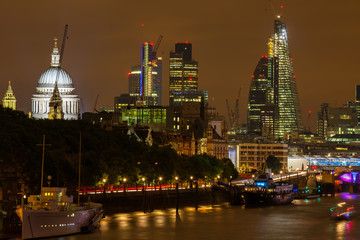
[(303, 219)]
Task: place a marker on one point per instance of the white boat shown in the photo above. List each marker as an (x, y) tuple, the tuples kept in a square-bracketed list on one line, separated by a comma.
[(54, 214)]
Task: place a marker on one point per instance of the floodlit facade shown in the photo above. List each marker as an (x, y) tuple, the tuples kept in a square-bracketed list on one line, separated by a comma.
[(40, 106), (9, 100), (254, 155)]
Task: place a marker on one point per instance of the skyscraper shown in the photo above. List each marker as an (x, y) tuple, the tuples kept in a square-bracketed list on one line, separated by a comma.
[(286, 100), (281, 87), (184, 76), (150, 76), (257, 97), (134, 81)]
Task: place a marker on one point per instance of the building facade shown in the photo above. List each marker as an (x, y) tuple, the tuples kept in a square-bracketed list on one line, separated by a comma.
[(257, 96), (332, 121), (184, 71), (150, 76), (134, 81), (254, 155), (277, 86), (40, 106), (9, 100)]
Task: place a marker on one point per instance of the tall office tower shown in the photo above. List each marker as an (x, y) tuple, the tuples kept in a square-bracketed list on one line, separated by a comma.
[(150, 76), (184, 76), (257, 97), (357, 93), (281, 75), (281, 97), (134, 81), (356, 104)]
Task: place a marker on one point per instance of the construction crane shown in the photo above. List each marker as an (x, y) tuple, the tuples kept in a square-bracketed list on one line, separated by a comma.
[(307, 121), (236, 120), (277, 13), (96, 100), (156, 47), (229, 114), (62, 52)]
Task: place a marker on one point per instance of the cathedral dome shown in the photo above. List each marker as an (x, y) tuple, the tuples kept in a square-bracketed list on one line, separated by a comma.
[(55, 73), (48, 78), (46, 83), (55, 97)]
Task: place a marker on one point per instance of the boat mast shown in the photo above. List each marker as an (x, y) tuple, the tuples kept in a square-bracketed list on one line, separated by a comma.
[(43, 160), (42, 164), (79, 170)]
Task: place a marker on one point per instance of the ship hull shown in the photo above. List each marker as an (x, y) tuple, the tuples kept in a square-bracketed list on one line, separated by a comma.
[(262, 198), (42, 223)]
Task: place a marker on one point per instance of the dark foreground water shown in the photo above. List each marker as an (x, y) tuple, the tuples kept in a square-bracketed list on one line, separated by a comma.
[(303, 219)]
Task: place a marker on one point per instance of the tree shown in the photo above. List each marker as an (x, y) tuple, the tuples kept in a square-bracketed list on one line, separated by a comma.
[(274, 163), (229, 171)]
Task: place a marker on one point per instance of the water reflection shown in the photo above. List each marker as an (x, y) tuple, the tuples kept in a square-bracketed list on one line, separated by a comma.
[(305, 219)]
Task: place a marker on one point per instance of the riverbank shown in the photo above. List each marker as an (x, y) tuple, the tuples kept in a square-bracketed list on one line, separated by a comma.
[(148, 201)]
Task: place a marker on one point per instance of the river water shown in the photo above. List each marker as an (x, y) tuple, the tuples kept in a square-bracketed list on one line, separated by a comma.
[(303, 219)]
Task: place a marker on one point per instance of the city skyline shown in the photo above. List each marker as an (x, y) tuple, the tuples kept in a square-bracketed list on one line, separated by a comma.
[(104, 43)]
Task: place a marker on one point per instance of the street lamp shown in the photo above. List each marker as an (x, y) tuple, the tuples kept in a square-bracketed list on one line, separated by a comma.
[(230, 180), (160, 179), (177, 195), (281, 175), (104, 181), (124, 184), (143, 179)]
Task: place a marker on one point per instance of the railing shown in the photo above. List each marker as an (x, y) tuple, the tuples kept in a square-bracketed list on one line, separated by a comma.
[(134, 188)]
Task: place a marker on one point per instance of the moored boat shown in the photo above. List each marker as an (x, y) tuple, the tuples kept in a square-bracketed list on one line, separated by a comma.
[(265, 192), (53, 214)]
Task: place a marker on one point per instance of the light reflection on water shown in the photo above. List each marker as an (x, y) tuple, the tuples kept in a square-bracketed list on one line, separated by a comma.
[(304, 219)]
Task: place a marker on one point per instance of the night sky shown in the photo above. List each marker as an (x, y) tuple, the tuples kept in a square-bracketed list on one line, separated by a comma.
[(228, 39)]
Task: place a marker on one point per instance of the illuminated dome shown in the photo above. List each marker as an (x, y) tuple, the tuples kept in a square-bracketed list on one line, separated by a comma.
[(46, 83), (55, 75)]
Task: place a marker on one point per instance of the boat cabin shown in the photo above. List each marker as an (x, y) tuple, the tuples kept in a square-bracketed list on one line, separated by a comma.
[(51, 198)]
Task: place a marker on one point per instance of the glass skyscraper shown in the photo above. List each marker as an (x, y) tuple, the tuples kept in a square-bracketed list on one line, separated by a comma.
[(281, 86), (258, 93), (184, 76), (150, 76)]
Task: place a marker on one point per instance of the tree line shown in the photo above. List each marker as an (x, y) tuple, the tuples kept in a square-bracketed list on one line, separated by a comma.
[(104, 154)]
